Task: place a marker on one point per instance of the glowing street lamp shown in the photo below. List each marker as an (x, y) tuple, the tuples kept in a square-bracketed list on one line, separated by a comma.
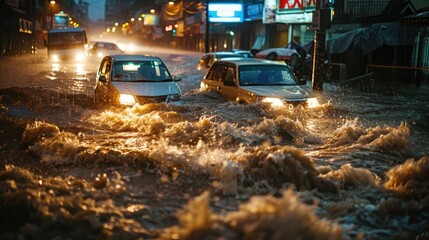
[(51, 6)]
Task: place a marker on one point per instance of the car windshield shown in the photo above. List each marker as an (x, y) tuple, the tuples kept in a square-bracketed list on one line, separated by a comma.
[(135, 71), (266, 75)]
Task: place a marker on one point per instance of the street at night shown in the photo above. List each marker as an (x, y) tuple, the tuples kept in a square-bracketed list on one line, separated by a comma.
[(356, 167), (214, 119)]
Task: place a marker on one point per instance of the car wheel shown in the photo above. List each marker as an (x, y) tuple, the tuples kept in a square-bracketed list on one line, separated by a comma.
[(272, 56)]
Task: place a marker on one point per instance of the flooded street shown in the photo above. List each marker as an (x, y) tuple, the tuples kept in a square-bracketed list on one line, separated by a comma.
[(356, 167)]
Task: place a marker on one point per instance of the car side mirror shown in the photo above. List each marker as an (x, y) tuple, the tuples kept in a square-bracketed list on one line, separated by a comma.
[(229, 83), (302, 82), (177, 78), (102, 79)]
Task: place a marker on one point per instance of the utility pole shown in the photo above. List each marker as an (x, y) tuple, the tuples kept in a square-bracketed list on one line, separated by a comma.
[(321, 22), (207, 35)]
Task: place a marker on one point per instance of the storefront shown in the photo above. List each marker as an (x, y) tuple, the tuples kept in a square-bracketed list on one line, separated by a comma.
[(292, 20)]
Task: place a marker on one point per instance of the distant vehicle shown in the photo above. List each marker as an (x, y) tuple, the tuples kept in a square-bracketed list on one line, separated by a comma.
[(101, 49), (130, 79), (66, 44), (256, 80), (294, 55), (209, 58), (289, 55), (243, 53)]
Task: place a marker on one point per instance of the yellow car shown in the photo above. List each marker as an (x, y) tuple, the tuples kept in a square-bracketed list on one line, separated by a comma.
[(253, 80)]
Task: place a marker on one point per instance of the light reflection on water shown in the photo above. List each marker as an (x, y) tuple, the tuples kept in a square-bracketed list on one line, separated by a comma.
[(80, 70), (56, 67)]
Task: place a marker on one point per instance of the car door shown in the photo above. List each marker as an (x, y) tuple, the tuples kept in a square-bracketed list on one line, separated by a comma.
[(229, 82), (103, 80)]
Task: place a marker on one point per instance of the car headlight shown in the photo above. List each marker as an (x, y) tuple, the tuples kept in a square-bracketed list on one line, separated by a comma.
[(174, 97), (55, 58), (203, 86), (312, 102), (275, 102), (100, 54), (127, 99)]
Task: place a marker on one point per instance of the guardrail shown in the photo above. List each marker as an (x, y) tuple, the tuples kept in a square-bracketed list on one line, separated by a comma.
[(418, 74), (365, 83)]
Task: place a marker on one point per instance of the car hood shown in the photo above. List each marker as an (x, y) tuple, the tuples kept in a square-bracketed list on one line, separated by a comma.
[(289, 93), (149, 89)]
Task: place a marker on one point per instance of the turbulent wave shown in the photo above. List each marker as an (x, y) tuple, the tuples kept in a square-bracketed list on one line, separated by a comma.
[(410, 179), (270, 172), (264, 217)]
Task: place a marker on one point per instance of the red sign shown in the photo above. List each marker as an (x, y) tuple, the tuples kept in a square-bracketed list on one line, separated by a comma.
[(296, 4)]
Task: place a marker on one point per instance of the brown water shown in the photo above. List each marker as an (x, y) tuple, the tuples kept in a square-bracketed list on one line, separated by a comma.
[(356, 167)]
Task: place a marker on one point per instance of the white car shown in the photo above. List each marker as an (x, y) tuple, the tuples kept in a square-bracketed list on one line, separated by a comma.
[(209, 58), (253, 80), (289, 55), (130, 79), (101, 49)]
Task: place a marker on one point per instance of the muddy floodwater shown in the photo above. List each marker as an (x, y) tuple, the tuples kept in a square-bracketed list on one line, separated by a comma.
[(356, 167)]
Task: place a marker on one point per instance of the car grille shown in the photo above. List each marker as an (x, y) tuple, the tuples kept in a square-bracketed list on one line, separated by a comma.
[(157, 99), (297, 103)]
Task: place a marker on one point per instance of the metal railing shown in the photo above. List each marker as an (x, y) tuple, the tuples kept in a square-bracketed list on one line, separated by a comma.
[(365, 83), (418, 74)]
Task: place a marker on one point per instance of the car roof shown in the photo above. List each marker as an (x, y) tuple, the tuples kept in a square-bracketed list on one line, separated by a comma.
[(102, 42), (134, 57), (250, 61), (241, 51), (226, 53)]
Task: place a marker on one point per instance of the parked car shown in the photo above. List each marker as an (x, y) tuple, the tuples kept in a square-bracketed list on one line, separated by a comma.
[(294, 55), (209, 58), (101, 49), (289, 55), (243, 53), (256, 80), (130, 79)]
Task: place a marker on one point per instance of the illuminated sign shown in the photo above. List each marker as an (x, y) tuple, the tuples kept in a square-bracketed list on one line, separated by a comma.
[(297, 5), (150, 20), (225, 12), (61, 20), (288, 11), (254, 11)]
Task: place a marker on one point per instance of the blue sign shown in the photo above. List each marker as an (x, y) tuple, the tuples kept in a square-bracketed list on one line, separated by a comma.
[(254, 11), (226, 12)]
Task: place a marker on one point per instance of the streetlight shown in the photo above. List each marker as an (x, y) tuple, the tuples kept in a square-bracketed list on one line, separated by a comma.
[(207, 34), (51, 6)]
